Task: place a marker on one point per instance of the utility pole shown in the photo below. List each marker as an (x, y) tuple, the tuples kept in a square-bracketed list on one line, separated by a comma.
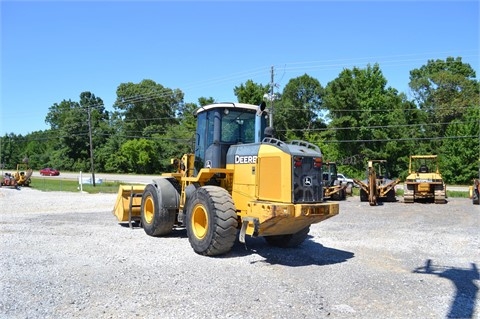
[(272, 84), (91, 145)]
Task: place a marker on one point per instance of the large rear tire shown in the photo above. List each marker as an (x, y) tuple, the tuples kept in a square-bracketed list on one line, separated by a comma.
[(156, 219), (211, 221), (391, 196), (363, 196), (288, 241)]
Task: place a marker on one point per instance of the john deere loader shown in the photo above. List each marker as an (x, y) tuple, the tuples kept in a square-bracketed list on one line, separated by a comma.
[(237, 182)]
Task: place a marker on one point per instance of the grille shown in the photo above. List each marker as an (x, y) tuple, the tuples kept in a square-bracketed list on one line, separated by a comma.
[(307, 180)]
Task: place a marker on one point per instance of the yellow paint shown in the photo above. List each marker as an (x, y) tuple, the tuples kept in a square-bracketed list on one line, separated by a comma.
[(275, 180), (122, 203), (262, 192), (149, 209), (199, 221), (423, 187), (281, 219)]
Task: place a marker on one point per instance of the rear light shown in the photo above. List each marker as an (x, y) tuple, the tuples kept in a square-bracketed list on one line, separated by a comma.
[(317, 162), (297, 161)]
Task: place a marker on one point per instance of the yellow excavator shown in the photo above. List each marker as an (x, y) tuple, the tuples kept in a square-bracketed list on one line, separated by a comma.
[(240, 180)]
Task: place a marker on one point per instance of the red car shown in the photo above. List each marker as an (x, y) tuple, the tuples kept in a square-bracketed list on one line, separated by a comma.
[(49, 172)]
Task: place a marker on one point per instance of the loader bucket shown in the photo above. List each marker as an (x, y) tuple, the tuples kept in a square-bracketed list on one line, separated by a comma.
[(129, 200)]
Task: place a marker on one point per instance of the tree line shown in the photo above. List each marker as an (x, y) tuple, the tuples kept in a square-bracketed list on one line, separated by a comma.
[(353, 118)]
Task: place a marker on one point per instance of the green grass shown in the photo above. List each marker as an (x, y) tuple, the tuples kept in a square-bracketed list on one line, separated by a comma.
[(457, 194), (68, 185)]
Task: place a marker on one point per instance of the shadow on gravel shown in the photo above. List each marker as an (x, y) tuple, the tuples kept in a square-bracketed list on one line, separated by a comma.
[(427, 201), (463, 303), (179, 232), (308, 253)]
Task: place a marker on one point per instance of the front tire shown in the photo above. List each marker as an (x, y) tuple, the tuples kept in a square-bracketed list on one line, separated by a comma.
[(288, 241), (211, 221), (156, 220)]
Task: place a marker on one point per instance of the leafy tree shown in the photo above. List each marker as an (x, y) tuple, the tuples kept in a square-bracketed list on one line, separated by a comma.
[(250, 92), (444, 89), (186, 119), (146, 104), (300, 109), (177, 139), (69, 122), (38, 148), (202, 101), (12, 148), (108, 156), (139, 156), (460, 150), (366, 117)]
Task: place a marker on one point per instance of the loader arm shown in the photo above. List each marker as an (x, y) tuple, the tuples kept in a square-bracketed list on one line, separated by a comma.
[(384, 189), (361, 184), (371, 188)]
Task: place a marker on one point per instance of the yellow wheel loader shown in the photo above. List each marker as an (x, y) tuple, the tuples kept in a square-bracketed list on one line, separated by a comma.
[(377, 187), (238, 182), (424, 181)]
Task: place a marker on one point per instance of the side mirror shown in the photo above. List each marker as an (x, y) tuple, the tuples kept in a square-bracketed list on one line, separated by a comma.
[(261, 108)]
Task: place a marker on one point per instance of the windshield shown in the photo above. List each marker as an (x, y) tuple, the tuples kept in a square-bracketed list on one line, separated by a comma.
[(238, 127)]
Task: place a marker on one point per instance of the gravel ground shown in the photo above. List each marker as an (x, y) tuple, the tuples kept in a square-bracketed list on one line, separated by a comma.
[(63, 255)]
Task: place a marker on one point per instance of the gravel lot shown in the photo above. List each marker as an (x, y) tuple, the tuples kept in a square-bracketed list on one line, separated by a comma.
[(63, 255)]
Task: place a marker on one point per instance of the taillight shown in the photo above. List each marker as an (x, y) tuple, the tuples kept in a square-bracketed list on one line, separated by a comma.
[(317, 162), (297, 161)]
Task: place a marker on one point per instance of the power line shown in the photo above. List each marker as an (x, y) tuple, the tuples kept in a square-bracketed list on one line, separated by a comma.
[(402, 139), (376, 126)]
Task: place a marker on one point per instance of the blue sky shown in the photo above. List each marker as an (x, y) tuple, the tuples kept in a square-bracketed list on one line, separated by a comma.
[(51, 51)]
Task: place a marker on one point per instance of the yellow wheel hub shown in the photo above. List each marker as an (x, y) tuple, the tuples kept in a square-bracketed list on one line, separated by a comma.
[(148, 210), (199, 221)]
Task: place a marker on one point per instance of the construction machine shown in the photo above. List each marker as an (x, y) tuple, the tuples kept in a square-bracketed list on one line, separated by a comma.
[(333, 188), (377, 187), (424, 181), (7, 180), (236, 181), (474, 192), (23, 174)]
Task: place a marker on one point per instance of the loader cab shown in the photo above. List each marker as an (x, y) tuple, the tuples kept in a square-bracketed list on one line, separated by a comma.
[(221, 125), (329, 174)]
